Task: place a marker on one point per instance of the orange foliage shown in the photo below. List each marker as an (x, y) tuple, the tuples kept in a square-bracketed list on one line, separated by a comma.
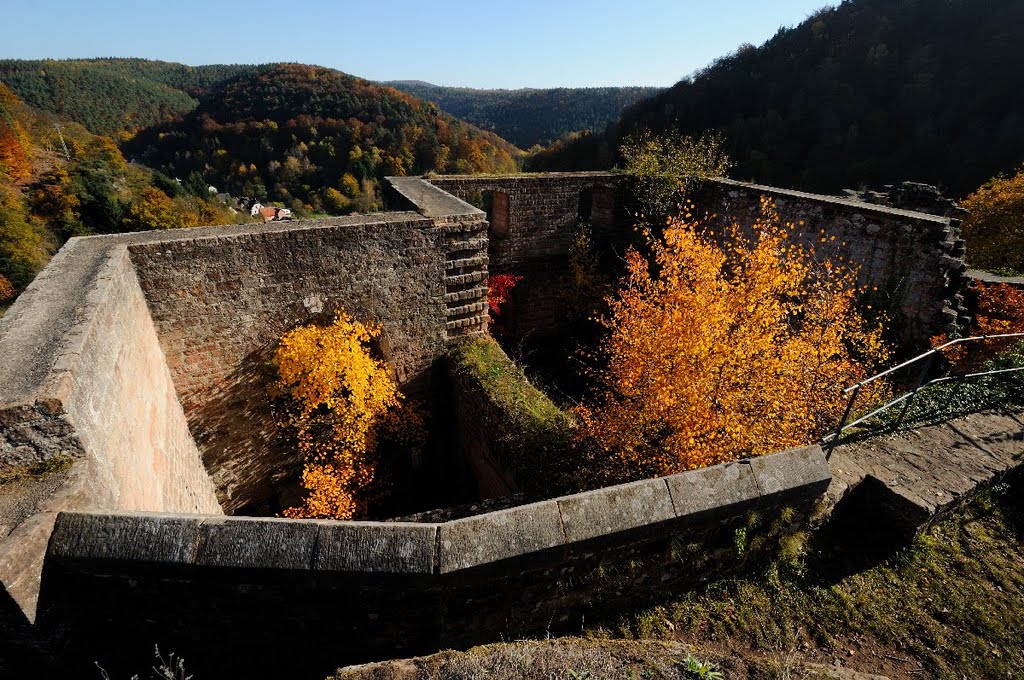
[(715, 353), (6, 289), (338, 396), (999, 311), (14, 159), (994, 226)]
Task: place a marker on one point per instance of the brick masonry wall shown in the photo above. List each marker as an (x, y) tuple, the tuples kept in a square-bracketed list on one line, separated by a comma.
[(220, 317), (240, 596)]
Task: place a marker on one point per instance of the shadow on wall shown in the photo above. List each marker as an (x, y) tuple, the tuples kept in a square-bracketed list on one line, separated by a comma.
[(18, 645), (236, 430)]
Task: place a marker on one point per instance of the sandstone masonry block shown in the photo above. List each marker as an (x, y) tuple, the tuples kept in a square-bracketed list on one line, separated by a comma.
[(129, 537), (256, 543), (376, 547), (496, 536), (804, 470), (604, 512), (720, 489)]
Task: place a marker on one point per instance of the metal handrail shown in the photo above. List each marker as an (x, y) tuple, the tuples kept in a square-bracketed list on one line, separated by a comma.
[(908, 398), (933, 351)]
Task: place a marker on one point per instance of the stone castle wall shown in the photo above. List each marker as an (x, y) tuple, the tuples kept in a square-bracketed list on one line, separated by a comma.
[(95, 355), (241, 596), (914, 259), (105, 405), (220, 318), (134, 355), (536, 218)]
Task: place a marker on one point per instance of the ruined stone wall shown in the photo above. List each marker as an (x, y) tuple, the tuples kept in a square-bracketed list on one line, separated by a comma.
[(240, 596), (121, 399), (220, 317), (533, 238), (104, 403), (509, 431), (914, 259)]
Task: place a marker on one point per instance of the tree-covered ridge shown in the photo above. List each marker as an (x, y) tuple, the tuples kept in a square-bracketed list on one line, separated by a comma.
[(317, 139), (869, 92), (111, 96), (62, 181), (531, 116)]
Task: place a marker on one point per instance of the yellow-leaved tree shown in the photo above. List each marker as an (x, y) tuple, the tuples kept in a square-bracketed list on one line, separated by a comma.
[(994, 226), (337, 395), (715, 352)]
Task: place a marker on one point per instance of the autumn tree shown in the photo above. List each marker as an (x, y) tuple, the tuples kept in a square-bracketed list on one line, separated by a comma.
[(25, 244), (998, 310), (994, 227), (14, 157), (722, 346), (499, 293), (53, 198), (660, 168), (336, 397), (6, 289)]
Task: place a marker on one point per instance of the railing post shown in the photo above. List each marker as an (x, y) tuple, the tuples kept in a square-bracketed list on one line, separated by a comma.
[(842, 421), (913, 393)]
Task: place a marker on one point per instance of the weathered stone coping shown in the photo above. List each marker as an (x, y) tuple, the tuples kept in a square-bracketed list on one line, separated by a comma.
[(431, 201), (989, 277), (833, 200), (541, 178), (659, 505)]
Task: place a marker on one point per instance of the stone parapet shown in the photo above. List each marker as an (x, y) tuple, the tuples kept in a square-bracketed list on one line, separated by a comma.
[(261, 587)]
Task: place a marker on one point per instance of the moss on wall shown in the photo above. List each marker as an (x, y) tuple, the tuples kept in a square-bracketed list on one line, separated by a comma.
[(512, 435)]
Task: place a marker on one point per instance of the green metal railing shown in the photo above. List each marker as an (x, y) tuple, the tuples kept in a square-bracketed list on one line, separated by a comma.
[(907, 399)]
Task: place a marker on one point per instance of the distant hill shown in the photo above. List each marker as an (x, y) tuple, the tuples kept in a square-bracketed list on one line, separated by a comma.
[(59, 180), (530, 116), (316, 138), (870, 92), (109, 96)]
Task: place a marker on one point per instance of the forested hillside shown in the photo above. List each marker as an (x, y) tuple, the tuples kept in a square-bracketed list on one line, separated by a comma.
[(530, 116), (869, 92), (316, 138), (110, 96), (58, 183)]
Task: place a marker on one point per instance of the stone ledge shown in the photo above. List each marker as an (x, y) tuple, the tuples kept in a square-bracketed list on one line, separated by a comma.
[(429, 200), (615, 509), (125, 536), (376, 547), (496, 536), (713, 490), (696, 496), (801, 471), (250, 542), (832, 200)]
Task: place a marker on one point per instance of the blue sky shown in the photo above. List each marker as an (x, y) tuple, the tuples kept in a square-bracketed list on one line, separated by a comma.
[(522, 43)]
